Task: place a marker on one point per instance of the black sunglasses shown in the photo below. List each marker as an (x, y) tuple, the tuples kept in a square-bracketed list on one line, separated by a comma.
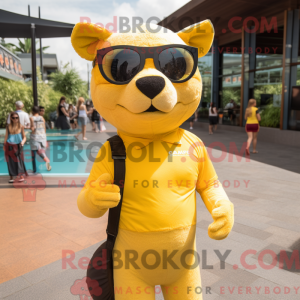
[(119, 64), (15, 118)]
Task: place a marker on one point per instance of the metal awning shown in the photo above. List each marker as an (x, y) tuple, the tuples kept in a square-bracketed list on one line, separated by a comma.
[(19, 26), (14, 25)]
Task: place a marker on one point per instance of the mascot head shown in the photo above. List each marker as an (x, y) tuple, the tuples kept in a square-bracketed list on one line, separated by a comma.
[(147, 82)]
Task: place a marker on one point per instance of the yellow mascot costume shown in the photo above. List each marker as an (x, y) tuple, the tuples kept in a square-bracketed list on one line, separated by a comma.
[(147, 84)]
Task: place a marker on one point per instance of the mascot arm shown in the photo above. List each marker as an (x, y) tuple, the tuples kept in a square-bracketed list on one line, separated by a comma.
[(99, 193), (86, 208), (215, 199)]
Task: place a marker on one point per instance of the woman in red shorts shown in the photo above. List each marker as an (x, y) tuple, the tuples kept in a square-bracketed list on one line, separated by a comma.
[(252, 125)]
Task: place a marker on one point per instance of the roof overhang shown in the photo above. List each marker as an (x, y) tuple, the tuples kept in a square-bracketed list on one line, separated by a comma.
[(14, 25), (221, 13)]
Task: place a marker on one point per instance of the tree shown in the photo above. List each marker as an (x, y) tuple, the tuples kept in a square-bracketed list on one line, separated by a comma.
[(231, 93), (68, 82), (25, 47), (11, 91), (203, 67)]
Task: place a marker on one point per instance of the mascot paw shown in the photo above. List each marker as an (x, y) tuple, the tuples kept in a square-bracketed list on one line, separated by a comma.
[(102, 194), (223, 220)]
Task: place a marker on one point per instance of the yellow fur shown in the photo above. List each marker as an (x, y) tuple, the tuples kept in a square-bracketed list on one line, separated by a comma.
[(164, 218), (201, 34), (135, 284), (108, 98)]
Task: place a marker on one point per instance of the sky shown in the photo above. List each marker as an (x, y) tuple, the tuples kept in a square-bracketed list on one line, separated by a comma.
[(99, 11)]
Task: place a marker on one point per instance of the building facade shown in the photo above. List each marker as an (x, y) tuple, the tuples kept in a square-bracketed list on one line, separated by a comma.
[(255, 54), (50, 64), (18, 66), (10, 65)]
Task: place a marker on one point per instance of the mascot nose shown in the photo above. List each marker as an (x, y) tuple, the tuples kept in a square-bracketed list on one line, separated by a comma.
[(151, 86)]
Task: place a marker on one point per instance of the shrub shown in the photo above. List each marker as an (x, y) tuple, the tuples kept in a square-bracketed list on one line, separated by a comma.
[(10, 92), (270, 116), (231, 93), (66, 83)]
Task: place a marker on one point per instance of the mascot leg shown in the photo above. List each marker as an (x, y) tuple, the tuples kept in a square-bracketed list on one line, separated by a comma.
[(188, 287), (143, 260), (129, 280), (128, 286)]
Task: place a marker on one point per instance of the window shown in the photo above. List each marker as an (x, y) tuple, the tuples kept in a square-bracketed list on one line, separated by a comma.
[(205, 68), (267, 93)]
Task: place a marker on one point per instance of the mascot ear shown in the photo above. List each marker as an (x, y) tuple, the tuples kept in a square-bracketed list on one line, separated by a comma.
[(86, 38), (199, 35)]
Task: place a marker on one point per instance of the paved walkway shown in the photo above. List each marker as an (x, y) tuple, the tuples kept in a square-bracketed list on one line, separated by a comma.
[(278, 155), (265, 192)]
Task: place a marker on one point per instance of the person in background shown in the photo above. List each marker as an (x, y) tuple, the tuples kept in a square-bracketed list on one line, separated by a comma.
[(237, 115), (233, 115), (82, 117), (95, 119), (193, 118), (102, 126), (42, 113), (23, 116), (92, 118), (213, 118), (252, 125), (72, 113), (230, 106), (75, 119), (38, 140), (13, 147), (62, 121)]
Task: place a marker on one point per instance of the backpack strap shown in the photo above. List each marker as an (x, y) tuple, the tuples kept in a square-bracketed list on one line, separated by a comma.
[(118, 152)]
